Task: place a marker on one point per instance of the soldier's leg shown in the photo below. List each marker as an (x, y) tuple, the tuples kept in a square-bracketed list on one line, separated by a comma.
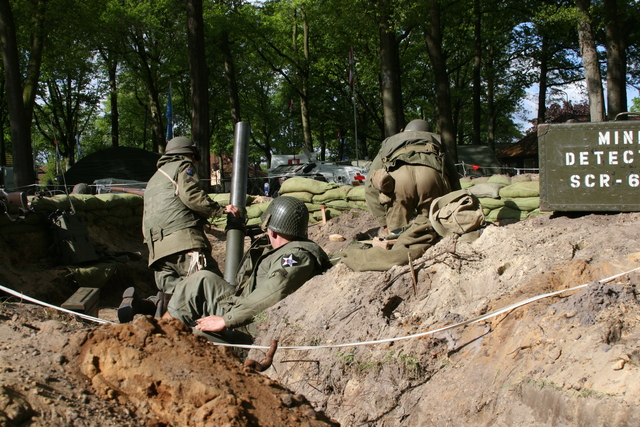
[(170, 271), (198, 296), (401, 209), (429, 186)]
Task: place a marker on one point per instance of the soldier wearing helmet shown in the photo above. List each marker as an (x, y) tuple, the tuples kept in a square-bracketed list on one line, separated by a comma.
[(275, 266), (175, 210), (411, 169)]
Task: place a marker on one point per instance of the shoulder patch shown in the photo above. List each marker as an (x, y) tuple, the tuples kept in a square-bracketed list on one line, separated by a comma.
[(189, 171), (289, 260)]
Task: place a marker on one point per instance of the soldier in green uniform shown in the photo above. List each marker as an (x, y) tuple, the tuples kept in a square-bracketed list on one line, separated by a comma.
[(269, 271), (175, 211), (411, 169)]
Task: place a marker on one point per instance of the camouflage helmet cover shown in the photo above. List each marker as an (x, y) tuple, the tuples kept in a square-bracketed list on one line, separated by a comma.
[(288, 216), (182, 145)]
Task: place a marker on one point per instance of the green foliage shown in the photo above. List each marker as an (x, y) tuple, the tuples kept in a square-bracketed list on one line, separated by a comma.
[(260, 47)]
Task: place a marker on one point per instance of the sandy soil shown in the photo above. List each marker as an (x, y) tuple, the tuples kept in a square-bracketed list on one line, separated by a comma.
[(570, 359)]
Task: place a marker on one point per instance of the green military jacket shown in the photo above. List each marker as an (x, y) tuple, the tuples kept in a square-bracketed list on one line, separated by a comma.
[(406, 148), (268, 275), (175, 209)]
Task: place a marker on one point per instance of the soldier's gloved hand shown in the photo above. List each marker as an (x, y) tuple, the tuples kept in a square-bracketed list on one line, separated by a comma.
[(233, 210)]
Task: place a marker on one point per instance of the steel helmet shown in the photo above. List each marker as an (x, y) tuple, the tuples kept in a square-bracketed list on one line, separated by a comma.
[(287, 215), (418, 125), (182, 145)]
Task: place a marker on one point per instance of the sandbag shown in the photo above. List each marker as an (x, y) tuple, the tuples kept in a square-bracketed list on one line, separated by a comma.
[(506, 213), (51, 204), (522, 178), (339, 204), (480, 180), (357, 193), (339, 193), (486, 189), (257, 209), (112, 200), (523, 203), (312, 207), (490, 203), (305, 196), (521, 189), (121, 212), (500, 179), (300, 184)]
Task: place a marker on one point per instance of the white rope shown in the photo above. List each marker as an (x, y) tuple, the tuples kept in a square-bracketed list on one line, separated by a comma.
[(445, 328), (35, 301)]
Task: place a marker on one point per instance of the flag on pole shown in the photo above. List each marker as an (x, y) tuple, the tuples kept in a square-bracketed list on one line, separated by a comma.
[(352, 69), (169, 116)]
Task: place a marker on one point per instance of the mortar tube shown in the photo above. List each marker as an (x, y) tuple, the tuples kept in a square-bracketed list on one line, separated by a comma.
[(235, 230)]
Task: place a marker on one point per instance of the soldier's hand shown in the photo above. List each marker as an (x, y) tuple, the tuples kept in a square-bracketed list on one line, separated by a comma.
[(211, 324), (233, 210)]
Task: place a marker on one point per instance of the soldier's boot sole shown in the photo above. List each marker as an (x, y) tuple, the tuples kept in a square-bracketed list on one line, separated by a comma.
[(132, 305), (127, 308)]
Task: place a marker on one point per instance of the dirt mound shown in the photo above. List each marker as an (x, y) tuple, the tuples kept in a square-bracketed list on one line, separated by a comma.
[(165, 373), (564, 360)]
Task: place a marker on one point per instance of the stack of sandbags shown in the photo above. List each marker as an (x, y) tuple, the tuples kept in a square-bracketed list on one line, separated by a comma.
[(121, 210), (316, 195), (112, 208), (503, 197), (254, 212)]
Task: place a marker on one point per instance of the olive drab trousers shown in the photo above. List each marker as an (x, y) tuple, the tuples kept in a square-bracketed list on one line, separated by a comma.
[(416, 186)]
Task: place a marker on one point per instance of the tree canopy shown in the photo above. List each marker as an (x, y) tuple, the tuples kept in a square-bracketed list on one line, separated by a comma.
[(82, 75)]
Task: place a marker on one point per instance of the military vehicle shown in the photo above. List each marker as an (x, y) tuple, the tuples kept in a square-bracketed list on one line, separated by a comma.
[(590, 166), (343, 173)]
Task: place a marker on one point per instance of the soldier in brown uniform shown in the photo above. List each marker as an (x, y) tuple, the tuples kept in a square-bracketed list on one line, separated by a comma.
[(175, 211), (411, 169)]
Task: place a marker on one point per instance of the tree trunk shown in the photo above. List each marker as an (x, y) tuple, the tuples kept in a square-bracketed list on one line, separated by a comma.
[(35, 60), (477, 68), (230, 73), (590, 62), (616, 61), (390, 86), (542, 87), (443, 98), (304, 87), (157, 129), (23, 166), (199, 89), (113, 96), (491, 104)]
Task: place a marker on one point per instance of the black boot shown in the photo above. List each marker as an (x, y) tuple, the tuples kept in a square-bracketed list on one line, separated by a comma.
[(132, 305)]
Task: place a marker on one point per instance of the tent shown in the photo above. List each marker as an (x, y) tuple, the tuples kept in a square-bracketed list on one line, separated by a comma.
[(477, 160), (117, 162)]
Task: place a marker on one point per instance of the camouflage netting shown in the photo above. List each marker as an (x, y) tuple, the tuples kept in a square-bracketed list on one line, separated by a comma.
[(503, 197)]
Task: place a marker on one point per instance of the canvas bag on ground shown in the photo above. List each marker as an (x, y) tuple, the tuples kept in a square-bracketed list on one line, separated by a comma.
[(457, 213)]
